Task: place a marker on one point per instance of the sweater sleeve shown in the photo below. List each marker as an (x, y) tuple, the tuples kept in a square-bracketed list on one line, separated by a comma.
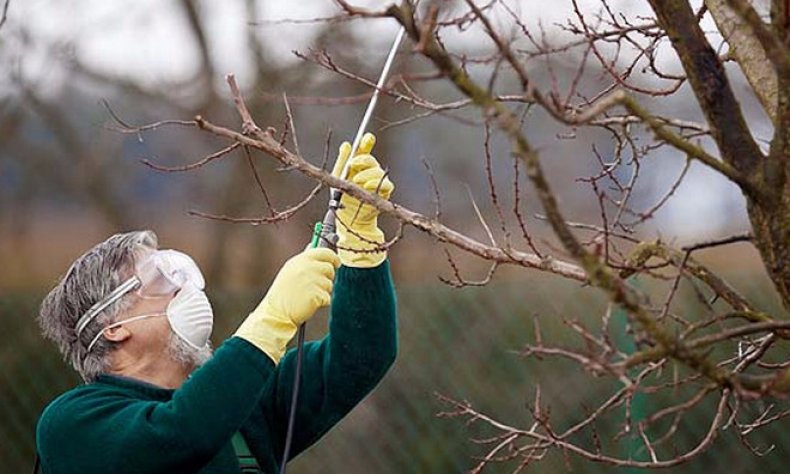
[(342, 368), (106, 430)]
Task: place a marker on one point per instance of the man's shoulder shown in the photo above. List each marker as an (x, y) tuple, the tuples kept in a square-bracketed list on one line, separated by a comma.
[(66, 401), (56, 417), (76, 403), (84, 416)]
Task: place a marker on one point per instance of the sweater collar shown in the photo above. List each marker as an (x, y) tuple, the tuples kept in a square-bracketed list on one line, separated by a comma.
[(150, 390)]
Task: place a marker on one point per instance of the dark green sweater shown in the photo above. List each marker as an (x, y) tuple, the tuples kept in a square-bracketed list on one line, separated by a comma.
[(120, 425)]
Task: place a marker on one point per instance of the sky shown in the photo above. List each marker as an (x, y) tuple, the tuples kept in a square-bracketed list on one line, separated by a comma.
[(146, 38), (150, 41)]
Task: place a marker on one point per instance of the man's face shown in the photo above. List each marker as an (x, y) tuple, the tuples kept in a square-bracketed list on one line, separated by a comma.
[(149, 336), (153, 337)]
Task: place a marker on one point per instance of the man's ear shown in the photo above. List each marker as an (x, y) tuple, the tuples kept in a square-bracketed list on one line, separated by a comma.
[(117, 333)]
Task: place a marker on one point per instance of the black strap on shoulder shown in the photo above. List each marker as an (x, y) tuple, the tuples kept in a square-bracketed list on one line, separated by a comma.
[(247, 462), (37, 465)]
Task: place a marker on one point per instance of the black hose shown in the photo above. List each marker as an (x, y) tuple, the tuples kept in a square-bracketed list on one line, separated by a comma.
[(327, 239), (294, 397)]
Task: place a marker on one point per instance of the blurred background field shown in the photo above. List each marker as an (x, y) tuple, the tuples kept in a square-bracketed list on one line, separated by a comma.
[(68, 181)]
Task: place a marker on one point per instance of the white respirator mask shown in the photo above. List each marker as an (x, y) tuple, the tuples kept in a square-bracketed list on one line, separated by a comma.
[(162, 274)]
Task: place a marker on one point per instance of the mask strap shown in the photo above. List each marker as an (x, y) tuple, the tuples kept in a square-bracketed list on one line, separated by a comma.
[(119, 323)]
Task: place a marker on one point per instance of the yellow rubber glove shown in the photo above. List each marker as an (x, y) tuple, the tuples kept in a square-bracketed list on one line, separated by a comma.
[(357, 228), (303, 285)]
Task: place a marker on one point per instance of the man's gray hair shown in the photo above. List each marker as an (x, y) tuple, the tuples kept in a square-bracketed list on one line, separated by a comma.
[(89, 280)]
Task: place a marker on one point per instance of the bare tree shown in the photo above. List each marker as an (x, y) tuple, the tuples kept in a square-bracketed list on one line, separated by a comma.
[(730, 358)]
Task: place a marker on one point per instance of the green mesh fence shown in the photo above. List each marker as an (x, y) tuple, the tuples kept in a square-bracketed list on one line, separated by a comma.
[(460, 343)]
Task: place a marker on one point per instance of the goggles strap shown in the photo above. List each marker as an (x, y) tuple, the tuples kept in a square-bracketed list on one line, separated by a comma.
[(100, 306)]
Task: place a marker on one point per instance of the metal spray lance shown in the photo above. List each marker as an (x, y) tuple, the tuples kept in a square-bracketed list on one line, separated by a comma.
[(325, 235)]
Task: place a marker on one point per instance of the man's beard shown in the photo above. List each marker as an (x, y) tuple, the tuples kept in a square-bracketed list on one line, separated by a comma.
[(186, 355)]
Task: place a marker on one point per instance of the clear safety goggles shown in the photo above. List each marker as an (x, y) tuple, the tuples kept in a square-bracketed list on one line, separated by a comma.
[(162, 273)]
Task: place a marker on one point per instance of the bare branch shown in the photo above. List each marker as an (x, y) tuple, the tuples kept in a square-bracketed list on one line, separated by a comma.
[(710, 85), (749, 53), (264, 141), (276, 216), (202, 162), (776, 51), (291, 122), (747, 237), (4, 15)]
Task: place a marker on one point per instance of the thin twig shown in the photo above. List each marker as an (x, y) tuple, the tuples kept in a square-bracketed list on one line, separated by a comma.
[(204, 161), (291, 122), (747, 237), (4, 16)]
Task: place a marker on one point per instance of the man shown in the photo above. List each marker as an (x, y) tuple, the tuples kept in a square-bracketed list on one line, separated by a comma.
[(135, 323)]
